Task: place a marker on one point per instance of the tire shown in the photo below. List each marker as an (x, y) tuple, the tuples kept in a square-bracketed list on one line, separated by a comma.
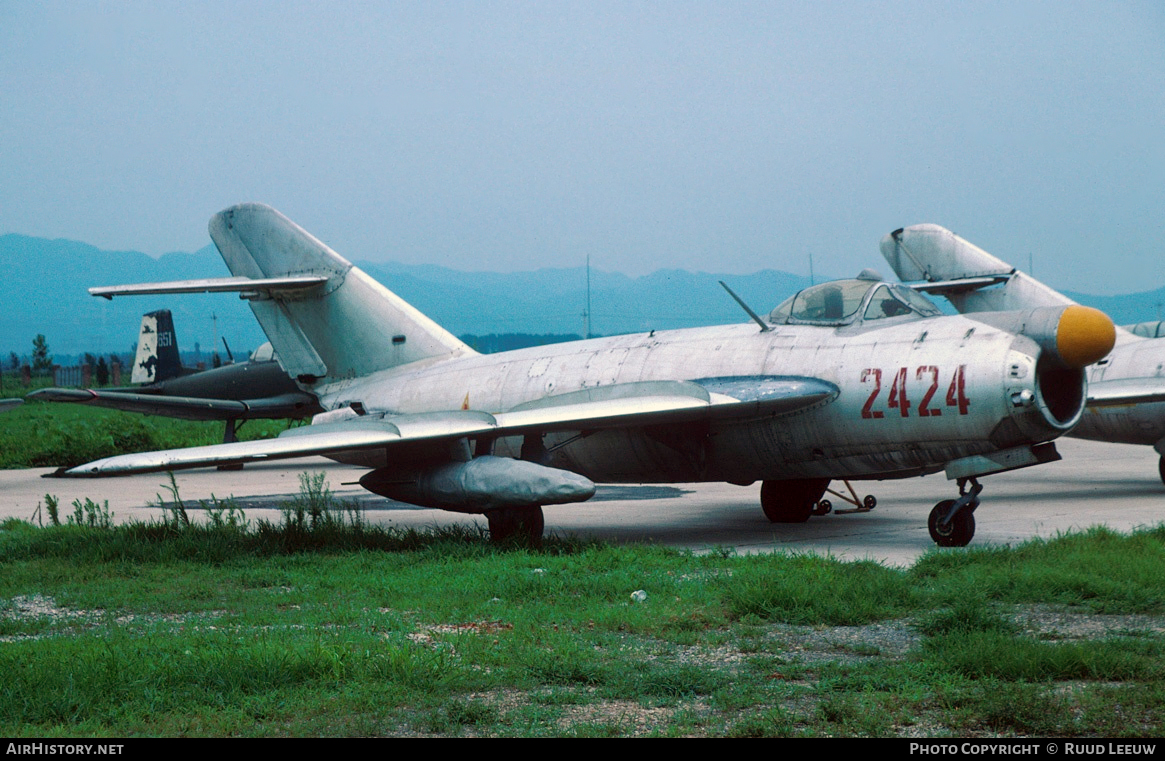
[(958, 532), (516, 524), (791, 501)]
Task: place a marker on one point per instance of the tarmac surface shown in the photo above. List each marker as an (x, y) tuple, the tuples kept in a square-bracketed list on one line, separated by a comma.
[(1114, 485)]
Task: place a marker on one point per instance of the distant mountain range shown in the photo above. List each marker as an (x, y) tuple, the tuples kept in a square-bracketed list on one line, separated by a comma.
[(45, 281)]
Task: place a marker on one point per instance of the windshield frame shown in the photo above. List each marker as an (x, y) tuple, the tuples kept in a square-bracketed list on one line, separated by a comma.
[(809, 305)]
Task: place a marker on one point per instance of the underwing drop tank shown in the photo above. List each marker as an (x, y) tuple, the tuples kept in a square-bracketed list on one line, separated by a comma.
[(480, 485)]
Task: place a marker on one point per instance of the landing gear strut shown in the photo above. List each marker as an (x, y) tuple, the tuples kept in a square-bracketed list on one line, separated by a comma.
[(521, 524), (791, 501), (228, 437), (952, 521), (864, 505)]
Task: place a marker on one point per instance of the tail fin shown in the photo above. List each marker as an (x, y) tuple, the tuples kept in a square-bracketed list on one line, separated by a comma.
[(347, 327), (157, 355), (962, 272)]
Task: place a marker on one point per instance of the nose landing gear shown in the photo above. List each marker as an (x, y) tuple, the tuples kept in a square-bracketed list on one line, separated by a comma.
[(952, 521)]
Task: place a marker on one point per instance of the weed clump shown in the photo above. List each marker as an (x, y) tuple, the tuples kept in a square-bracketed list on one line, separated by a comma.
[(314, 520), (967, 615)]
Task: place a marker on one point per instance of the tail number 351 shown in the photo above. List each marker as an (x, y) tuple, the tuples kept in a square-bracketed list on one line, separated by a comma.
[(897, 398)]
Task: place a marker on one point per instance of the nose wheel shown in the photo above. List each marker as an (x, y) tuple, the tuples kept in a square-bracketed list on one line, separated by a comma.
[(952, 521)]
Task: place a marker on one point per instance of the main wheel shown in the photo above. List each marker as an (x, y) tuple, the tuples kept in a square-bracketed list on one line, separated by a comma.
[(958, 532), (791, 501), (1161, 468), (523, 524)]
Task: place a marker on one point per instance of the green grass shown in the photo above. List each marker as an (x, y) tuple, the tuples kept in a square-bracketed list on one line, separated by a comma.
[(50, 435), (320, 624), (1098, 569), (810, 589)]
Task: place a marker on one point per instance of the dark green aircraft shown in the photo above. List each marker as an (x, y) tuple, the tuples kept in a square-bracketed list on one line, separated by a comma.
[(255, 389)]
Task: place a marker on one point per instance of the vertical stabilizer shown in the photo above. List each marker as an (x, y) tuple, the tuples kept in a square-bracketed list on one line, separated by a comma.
[(348, 327), (157, 355), (937, 255)]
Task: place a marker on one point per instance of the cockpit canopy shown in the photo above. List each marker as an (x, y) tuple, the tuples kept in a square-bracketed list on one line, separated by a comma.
[(843, 302), (264, 353)]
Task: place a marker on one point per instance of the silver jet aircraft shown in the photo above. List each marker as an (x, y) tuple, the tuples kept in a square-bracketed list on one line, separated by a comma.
[(857, 379), (1126, 390)]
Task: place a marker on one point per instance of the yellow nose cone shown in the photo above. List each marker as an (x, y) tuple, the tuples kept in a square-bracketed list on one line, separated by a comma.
[(1084, 336)]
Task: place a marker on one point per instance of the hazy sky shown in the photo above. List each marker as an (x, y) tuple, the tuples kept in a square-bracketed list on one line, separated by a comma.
[(720, 136)]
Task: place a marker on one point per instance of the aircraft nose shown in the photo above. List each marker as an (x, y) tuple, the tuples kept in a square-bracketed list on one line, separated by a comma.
[(1084, 335)]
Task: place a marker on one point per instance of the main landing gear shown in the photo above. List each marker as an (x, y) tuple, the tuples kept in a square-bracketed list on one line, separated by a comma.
[(795, 500), (862, 505), (229, 437), (522, 524), (791, 501), (518, 524), (952, 521)]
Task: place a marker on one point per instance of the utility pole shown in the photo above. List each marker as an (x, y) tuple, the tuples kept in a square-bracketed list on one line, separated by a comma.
[(587, 311)]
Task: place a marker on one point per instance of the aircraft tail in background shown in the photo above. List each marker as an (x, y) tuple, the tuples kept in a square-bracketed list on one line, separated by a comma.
[(157, 355), (963, 272)]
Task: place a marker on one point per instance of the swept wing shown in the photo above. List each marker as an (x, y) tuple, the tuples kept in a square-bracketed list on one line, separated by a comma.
[(292, 405), (622, 405)]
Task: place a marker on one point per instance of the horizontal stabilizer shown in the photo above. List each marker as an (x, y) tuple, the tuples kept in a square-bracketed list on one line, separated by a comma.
[(617, 406), (291, 405), (948, 287), (242, 285)]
